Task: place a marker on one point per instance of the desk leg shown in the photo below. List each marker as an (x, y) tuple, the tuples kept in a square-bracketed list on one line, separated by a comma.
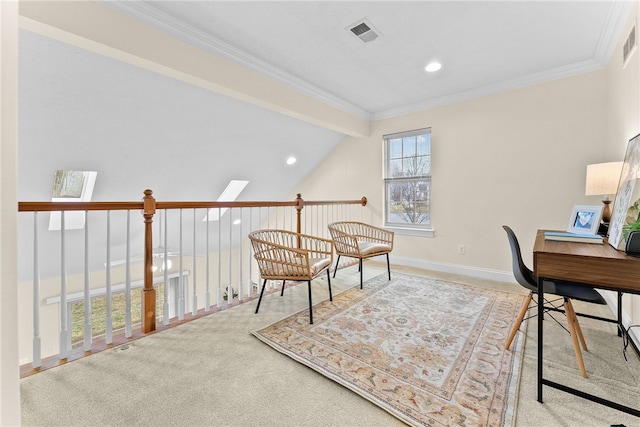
[(620, 326), (540, 333)]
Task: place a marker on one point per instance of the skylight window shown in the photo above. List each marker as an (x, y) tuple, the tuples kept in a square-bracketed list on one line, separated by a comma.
[(229, 194), (71, 186)]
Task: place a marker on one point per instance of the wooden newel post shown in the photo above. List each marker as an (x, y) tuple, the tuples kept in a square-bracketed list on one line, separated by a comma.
[(149, 294)]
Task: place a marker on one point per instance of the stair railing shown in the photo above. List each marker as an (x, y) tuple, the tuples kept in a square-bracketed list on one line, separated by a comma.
[(311, 220)]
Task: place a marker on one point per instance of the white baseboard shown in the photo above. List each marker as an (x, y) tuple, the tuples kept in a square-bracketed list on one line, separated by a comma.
[(465, 270)]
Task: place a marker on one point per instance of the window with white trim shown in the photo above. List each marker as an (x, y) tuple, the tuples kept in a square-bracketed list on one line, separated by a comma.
[(407, 178)]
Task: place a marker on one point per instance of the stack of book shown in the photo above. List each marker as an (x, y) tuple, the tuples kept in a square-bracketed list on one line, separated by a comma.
[(562, 236)]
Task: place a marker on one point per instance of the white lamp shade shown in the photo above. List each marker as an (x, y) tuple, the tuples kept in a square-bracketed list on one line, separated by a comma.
[(602, 179)]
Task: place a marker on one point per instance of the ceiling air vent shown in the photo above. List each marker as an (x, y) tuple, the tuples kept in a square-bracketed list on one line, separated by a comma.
[(629, 45), (364, 31)]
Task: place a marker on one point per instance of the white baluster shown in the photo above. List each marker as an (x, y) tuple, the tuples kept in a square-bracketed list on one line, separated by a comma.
[(165, 307), (63, 291), (88, 332), (128, 332), (219, 296), (229, 281), (194, 309), (181, 301), (108, 333), (249, 252), (240, 243), (37, 345), (207, 297)]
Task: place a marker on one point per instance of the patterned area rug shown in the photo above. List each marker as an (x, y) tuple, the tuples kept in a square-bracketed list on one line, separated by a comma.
[(426, 350)]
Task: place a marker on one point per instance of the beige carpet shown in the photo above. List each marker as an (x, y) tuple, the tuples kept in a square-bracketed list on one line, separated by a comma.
[(213, 372), (426, 350)]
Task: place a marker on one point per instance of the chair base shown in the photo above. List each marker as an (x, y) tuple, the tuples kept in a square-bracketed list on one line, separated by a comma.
[(577, 338), (264, 284), (360, 268)]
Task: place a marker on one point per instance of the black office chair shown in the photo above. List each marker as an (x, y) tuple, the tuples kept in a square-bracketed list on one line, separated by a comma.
[(566, 290)]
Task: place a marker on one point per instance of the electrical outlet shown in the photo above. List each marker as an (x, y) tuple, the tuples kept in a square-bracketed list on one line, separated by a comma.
[(460, 249)]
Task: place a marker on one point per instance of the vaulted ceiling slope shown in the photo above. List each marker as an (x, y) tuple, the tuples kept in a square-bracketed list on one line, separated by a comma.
[(484, 46), (80, 110)]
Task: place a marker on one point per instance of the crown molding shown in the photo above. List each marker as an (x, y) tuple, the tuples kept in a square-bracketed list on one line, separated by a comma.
[(532, 79), (619, 12), (149, 15)]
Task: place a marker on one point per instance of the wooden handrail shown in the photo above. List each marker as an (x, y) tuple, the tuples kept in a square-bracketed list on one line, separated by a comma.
[(362, 201), (105, 206), (78, 206)]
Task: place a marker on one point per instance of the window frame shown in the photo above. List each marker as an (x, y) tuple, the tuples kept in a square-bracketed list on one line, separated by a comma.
[(409, 228)]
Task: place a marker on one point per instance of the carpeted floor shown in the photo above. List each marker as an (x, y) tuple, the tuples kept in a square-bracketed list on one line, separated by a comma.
[(214, 372)]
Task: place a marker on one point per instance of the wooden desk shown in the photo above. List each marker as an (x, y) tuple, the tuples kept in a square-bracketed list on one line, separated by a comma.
[(600, 266)]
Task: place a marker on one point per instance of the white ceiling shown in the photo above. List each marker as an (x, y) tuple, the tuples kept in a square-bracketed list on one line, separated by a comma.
[(484, 46)]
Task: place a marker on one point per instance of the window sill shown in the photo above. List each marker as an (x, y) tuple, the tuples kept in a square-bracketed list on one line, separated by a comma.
[(412, 231)]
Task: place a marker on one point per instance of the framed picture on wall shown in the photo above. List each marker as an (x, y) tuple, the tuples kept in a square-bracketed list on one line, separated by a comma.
[(626, 207), (585, 219)]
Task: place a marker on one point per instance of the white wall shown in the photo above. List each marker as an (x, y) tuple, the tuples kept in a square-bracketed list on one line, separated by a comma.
[(623, 119), (516, 158)]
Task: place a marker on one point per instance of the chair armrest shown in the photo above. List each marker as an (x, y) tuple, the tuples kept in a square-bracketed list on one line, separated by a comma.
[(345, 244), (377, 234), (351, 238), (316, 247), (279, 257), (279, 262)]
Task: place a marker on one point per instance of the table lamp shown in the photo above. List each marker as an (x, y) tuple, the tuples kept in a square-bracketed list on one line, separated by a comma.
[(602, 180)]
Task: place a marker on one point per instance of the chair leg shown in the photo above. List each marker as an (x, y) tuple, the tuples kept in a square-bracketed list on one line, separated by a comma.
[(261, 292), (310, 303), (329, 281), (282, 291), (360, 268), (574, 338), (518, 321), (388, 266), (578, 328), (336, 269)]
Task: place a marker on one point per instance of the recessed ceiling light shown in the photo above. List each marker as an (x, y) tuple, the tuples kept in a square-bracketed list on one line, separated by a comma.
[(291, 160), (433, 66), (237, 221)]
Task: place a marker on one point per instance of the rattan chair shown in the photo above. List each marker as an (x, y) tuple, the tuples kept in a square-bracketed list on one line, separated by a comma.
[(286, 255), (359, 240)]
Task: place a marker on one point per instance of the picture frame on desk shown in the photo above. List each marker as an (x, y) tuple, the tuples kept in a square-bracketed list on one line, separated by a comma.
[(585, 219), (626, 207)]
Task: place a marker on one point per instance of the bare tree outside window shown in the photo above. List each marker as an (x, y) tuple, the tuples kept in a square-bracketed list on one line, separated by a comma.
[(408, 179)]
